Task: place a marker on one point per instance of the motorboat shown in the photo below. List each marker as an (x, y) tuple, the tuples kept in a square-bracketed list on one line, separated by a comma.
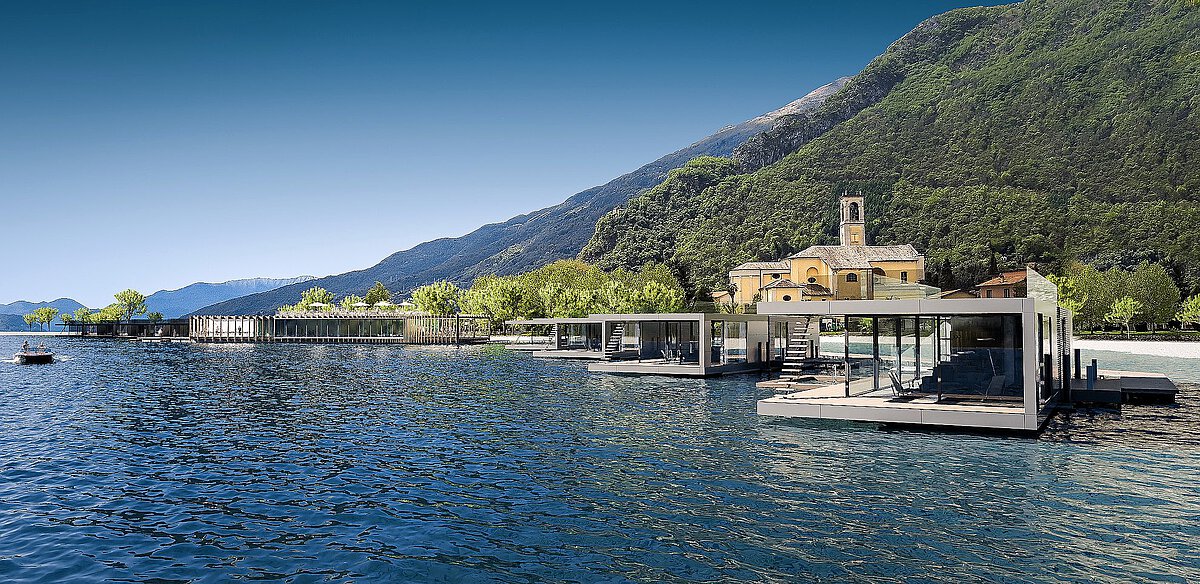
[(34, 357)]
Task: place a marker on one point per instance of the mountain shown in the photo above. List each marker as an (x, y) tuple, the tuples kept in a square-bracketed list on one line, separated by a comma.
[(1044, 131), (12, 322), (176, 303), (22, 307), (523, 242)]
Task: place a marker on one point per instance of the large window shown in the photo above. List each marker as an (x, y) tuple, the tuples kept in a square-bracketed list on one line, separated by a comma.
[(728, 342), (945, 358), (670, 341)]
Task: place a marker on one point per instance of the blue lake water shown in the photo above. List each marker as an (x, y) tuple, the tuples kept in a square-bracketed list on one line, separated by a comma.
[(137, 462)]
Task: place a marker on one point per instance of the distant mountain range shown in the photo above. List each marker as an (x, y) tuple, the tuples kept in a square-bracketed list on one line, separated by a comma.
[(177, 303), (22, 307), (171, 303), (12, 322), (526, 241)]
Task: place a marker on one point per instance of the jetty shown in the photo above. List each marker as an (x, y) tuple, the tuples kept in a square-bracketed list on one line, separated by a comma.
[(1112, 387)]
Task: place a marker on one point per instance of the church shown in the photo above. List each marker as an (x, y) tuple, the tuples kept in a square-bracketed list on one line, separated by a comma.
[(852, 270)]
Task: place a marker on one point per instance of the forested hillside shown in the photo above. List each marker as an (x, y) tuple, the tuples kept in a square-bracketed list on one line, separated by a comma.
[(1035, 132)]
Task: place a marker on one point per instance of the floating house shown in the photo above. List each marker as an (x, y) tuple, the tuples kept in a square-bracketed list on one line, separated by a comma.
[(681, 344), (341, 326), (568, 338), (1000, 363), (852, 270)]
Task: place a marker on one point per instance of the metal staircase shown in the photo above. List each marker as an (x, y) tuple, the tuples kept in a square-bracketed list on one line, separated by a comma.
[(614, 343), (797, 348)]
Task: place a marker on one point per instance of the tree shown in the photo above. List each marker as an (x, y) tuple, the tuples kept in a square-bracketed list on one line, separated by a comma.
[(349, 301), (656, 297), (155, 317), (1097, 291), (112, 312), (45, 315), (66, 318), (439, 298), (29, 320), (1071, 295), (83, 315), (1189, 311), (501, 298), (378, 293), (946, 275), (314, 295), (1152, 286), (1123, 311), (131, 303)]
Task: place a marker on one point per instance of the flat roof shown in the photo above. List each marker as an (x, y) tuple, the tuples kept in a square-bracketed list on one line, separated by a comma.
[(899, 307), (661, 316), (551, 320), (673, 316)]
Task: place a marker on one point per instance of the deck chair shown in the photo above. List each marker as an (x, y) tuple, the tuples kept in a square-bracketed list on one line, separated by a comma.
[(996, 384), (898, 388)]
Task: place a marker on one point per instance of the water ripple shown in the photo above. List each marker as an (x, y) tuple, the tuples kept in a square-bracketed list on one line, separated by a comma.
[(300, 463)]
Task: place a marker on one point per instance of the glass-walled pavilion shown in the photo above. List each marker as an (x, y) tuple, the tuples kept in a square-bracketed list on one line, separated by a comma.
[(687, 344), (974, 362)]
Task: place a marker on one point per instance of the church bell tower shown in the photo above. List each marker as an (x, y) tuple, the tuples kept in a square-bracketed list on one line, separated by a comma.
[(854, 224)]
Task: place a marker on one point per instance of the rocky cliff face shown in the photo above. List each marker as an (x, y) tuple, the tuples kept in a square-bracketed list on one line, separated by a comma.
[(526, 241)]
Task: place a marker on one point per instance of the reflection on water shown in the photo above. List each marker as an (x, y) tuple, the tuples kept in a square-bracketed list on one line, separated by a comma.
[(361, 463)]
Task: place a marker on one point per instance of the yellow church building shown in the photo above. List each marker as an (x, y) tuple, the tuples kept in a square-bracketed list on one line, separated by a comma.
[(852, 270)]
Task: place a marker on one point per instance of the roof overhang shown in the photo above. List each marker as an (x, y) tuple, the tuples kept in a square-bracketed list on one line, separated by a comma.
[(941, 306)]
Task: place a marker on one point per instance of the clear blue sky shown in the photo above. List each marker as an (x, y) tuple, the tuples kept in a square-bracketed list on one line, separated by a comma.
[(154, 144)]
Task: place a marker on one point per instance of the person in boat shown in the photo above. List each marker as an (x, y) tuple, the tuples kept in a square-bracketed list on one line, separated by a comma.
[(25, 347), (41, 347)]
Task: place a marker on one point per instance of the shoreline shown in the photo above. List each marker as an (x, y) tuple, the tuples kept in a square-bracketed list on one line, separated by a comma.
[(36, 334), (1173, 349)]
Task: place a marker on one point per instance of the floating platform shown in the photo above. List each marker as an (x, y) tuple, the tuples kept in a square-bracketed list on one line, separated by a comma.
[(569, 354), (528, 347), (829, 402), (1125, 387)]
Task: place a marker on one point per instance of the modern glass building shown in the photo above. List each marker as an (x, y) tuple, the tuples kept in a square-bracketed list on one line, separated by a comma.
[(986, 363), (685, 344)]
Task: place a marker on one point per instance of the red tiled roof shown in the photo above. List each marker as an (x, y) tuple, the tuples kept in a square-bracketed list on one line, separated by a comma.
[(1005, 278)]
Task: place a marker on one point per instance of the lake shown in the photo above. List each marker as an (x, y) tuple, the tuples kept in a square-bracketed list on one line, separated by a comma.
[(141, 462)]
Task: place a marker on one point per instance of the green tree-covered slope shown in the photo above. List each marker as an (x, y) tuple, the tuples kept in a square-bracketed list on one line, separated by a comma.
[(1043, 131)]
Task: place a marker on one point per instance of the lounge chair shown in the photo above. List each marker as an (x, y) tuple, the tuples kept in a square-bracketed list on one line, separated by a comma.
[(898, 387), (996, 384)]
